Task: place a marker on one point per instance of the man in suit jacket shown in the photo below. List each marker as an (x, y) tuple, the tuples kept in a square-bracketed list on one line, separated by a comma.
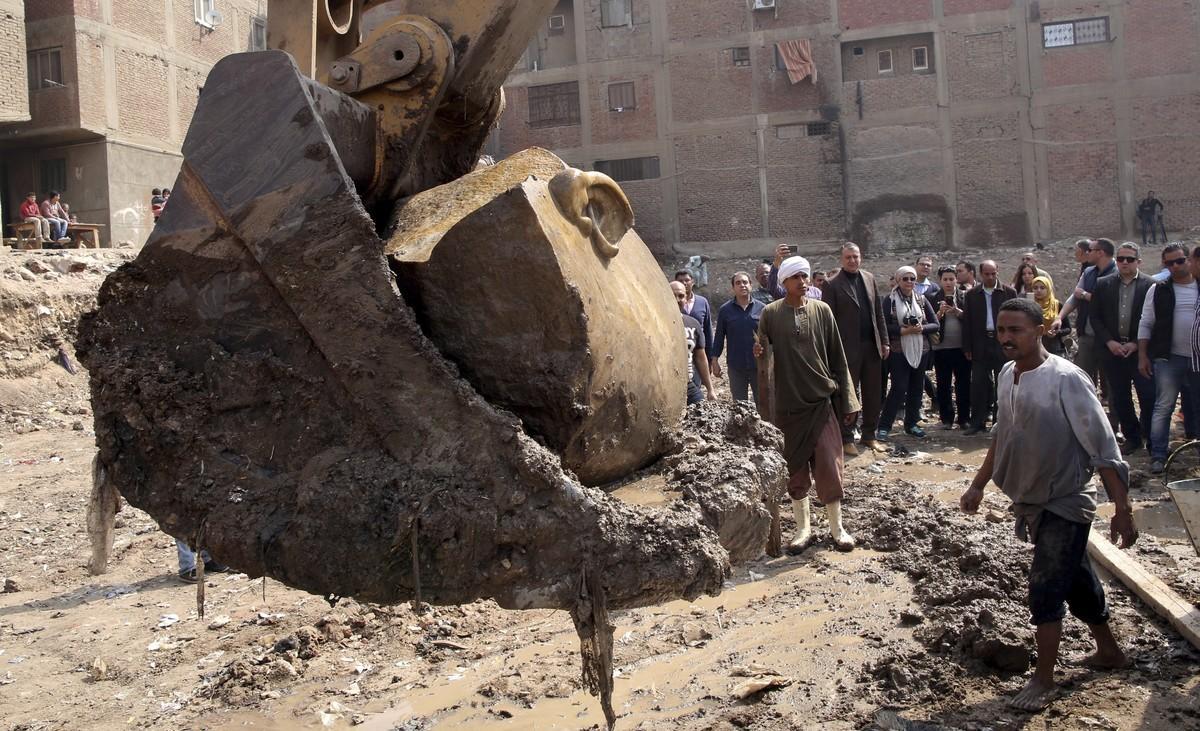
[(1117, 303), (854, 299), (982, 307)]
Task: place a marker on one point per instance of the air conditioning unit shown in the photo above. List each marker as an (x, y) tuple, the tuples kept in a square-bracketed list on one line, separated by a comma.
[(558, 22), (764, 4)]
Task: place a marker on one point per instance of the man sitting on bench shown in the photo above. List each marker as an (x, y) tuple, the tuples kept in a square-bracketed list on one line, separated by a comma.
[(30, 213), (52, 211)]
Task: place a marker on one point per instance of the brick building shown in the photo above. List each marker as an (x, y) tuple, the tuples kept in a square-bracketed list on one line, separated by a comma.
[(111, 86), (930, 122)]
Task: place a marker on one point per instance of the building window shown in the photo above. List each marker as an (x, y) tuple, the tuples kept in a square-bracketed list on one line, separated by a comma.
[(885, 62), (859, 51), (615, 13), (54, 175), (621, 97), (558, 24), (554, 105), (45, 68), (740, 55), (804, 129), (206, 13), (258, 34), (920, 58), (633, 168), (1075, 32), (818, 129)]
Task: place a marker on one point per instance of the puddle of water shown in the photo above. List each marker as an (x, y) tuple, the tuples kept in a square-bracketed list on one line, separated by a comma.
[(662, 688), (1161, 520), (649, 492)]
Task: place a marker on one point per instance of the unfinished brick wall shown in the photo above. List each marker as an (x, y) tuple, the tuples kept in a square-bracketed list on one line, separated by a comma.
[(706, 85), (1160, 37), (142, 95), (638, 123), (718, 186), (868, 13), (804, 187), (1166, 156), (1082, 166), (988, 180), (887, 94), (974, 157), (646, 198), (794, 12), (982, 63), (14, 92), (144, 18), (692, 19), (959, 7), (187, 93)]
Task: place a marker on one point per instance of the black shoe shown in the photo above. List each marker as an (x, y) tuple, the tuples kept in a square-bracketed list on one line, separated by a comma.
[(1130, 447), (972, 431), (189, 576), (212, 567)]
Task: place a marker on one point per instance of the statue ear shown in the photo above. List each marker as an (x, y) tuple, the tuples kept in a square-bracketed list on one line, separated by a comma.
[(596, 205)]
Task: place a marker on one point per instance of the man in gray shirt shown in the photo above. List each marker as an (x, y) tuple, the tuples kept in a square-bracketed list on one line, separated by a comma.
[(1051, 434)]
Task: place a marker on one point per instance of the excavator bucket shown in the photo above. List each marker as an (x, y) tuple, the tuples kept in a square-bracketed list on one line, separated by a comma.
[(262, 389), (275, 383)]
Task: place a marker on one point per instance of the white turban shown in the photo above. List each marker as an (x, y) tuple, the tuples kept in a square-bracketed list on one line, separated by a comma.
[(792, 266)]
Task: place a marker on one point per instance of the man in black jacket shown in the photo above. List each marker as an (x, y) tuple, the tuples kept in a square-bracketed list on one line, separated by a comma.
[(1116, 309), (982, 307)]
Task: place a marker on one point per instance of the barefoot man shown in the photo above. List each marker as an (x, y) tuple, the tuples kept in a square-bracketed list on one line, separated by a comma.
[(814, 396), (1050, 434)]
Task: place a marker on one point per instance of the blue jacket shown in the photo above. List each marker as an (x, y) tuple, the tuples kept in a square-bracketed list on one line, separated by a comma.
[(739, 326), (702, 311)]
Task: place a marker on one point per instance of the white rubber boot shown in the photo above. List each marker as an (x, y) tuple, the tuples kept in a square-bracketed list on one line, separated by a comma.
[(803, 539), (841, 539)]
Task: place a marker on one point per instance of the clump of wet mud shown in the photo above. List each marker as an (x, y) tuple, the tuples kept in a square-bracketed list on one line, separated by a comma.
[(971, 618), (969, 578), (727, 461)]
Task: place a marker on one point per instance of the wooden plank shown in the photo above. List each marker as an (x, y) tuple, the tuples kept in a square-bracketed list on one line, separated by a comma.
[(1184, 617)]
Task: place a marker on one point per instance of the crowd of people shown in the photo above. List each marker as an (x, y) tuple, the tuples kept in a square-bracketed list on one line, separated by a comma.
[(1005, 357), (931, 331)]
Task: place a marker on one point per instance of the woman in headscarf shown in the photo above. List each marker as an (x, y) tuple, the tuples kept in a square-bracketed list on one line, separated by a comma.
[(1043, 294), (910, 321)]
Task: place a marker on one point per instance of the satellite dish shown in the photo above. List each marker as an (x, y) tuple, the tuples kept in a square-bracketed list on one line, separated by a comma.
[(214, 18)]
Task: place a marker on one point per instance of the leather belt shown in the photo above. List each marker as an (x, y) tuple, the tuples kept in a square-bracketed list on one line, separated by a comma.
[(990, 333)]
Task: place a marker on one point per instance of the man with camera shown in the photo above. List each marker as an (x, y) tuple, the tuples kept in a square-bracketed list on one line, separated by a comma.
[(784, 251)]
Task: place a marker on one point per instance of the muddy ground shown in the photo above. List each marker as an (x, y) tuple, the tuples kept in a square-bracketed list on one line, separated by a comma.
[(922, 626)]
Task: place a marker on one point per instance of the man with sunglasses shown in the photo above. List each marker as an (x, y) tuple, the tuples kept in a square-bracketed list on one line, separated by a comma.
[(1165, 346), (1116, 310)]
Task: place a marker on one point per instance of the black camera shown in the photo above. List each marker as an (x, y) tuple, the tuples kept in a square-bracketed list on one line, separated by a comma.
[(910, 320)]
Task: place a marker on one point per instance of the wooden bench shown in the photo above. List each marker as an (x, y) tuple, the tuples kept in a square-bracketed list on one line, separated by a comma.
[(26, 235), (77, 230)]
